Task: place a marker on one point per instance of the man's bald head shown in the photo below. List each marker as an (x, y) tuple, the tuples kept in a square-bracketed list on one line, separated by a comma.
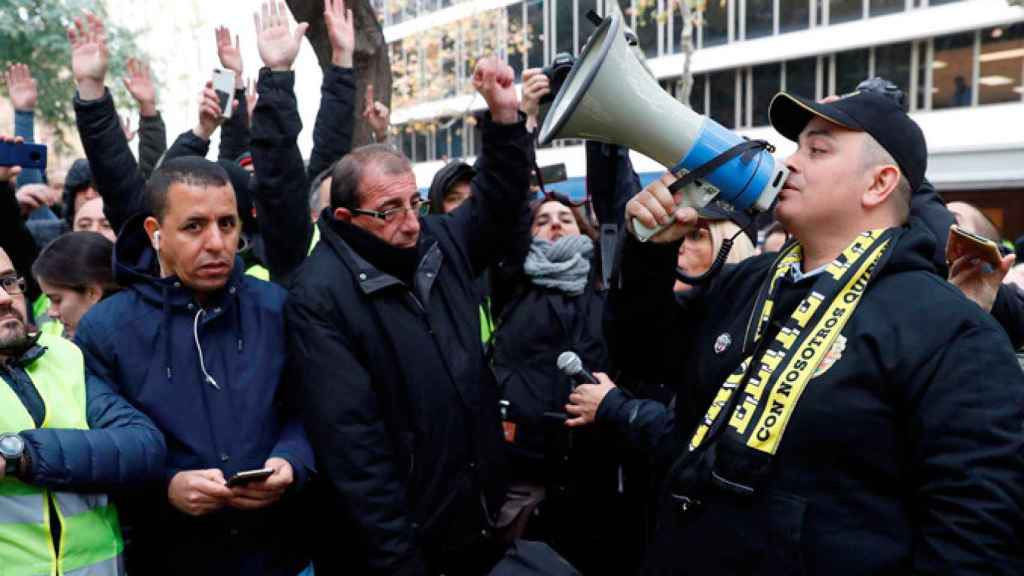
[(973, 220)]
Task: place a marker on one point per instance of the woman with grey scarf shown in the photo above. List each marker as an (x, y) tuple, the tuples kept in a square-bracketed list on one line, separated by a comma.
[(556, 306)]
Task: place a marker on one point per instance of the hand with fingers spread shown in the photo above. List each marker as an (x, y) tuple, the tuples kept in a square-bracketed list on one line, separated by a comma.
[(277, 42), (198, 492), (209, 112), (8, 173), (585, 399), (89, 56), (21, 87), (139, 82), (341, 31), (655, 205), (979, 280), (535, 86), (264, 493), (494, 80), (376, 115), (230, 54)]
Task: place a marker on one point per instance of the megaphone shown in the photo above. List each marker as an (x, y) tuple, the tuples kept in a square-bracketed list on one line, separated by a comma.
[(610, 97)]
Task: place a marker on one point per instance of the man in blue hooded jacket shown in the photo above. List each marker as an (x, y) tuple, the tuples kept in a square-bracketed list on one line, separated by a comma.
[(197, 345)]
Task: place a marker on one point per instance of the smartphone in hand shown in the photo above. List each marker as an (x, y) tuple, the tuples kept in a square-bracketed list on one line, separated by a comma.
[(963, 243), (24, 154), (224, 86), (249, 476)]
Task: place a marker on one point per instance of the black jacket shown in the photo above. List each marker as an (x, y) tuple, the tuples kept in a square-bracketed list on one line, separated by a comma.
[(904, 456), (152, 143), (399, 404), (281, 191)]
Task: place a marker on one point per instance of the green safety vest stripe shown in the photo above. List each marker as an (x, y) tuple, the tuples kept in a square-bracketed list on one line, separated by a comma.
[(486, 326), (257, 271), (40, 306), (90, 532)]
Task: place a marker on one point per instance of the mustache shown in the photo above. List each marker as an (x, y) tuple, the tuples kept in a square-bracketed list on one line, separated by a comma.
[(11, 310)]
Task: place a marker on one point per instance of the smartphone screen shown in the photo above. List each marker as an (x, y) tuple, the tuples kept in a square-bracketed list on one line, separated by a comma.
[(224, 85)]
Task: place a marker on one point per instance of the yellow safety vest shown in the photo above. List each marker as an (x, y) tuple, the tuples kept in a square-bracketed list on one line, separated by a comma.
[(90, 535)]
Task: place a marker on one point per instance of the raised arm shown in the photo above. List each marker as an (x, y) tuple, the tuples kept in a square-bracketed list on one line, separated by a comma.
[(234, 135), (483, 223), (21, 87), (332, 134), (114, 168), (152, 131)]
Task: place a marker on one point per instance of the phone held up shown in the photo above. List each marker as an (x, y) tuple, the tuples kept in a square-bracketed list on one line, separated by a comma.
[(224, 86), (963, 243), (25, 155)]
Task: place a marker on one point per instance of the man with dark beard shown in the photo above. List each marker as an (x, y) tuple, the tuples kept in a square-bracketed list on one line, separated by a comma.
[(60, 432)]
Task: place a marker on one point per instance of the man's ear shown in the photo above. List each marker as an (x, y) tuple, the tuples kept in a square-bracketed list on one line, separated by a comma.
[(884, 180), (342, 214), (152, 228)]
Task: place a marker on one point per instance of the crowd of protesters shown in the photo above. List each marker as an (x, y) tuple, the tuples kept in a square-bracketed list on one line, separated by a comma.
[(270, 364)]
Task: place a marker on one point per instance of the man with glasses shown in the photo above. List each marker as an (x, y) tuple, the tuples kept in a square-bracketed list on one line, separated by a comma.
[(63, 436), (384, 330)]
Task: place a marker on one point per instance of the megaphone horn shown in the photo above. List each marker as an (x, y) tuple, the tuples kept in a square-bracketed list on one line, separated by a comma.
[(609, 97)]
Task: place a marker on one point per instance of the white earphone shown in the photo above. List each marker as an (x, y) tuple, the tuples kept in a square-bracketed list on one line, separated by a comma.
[(156, 240)]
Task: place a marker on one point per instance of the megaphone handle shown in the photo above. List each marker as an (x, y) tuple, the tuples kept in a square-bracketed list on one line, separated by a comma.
[(694, 196)]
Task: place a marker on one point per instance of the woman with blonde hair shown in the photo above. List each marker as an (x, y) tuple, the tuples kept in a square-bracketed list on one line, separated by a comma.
[(700, 247)]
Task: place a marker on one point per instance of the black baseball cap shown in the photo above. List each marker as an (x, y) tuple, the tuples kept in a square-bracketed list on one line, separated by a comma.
[(880, 116)]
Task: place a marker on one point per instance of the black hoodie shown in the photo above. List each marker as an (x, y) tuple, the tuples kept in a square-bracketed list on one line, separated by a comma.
[(903, 456)]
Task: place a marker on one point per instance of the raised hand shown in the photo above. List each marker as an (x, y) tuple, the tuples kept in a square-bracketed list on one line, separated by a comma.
[(89, 55), (277, 42), (341, 32), (229, 53), (21, 87), (494, 80), (139, 83), (376, 115), (535, 86)]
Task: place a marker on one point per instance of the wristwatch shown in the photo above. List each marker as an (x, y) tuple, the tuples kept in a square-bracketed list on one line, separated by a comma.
[(12, 448)]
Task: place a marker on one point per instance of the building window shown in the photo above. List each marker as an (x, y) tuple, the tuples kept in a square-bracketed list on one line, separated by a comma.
[(407, 143), (851, 69), (420, 138), (697, 98), (802, 77), (794, 15), (845, 11), (1001, 64), (952, 70), (584, 27), (715, 30), (456, 138), (563, 26), (517, 39), (441, 140), (722, 97), (883, 7), (892, 62), (759, 18), (535, 33), (767, 80), (648, 16)]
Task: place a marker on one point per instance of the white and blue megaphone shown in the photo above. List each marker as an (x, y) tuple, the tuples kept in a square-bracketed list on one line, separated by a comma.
[(610, 97)]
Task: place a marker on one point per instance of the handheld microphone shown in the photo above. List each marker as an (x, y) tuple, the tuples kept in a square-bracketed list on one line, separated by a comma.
[(570, 364)]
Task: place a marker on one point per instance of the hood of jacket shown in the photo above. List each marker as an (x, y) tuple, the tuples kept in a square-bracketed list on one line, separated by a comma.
[(451, 173), (78, 177)]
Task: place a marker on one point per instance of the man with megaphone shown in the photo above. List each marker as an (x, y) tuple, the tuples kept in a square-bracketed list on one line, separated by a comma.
[(839, 408)]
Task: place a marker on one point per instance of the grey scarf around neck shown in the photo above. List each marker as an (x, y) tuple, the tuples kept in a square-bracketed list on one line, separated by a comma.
[(563, 265)]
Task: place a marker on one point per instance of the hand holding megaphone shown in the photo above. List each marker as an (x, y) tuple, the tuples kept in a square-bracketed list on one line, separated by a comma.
[(655, 206)]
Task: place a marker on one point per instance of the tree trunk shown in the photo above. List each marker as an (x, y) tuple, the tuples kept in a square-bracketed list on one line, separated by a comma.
[(372, 62), (686, 40)]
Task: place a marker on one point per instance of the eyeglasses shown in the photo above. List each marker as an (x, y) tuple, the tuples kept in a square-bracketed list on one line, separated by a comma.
[(12, 284), (389, 215)]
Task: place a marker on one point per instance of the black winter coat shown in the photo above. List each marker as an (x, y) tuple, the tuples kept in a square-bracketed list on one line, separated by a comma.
[(903, 457), (400, 406)]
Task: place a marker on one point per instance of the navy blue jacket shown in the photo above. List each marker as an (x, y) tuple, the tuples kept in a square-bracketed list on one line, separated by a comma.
[(141, 340)]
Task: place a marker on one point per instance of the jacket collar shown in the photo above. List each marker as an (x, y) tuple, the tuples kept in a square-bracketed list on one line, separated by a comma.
[(371, 279)]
